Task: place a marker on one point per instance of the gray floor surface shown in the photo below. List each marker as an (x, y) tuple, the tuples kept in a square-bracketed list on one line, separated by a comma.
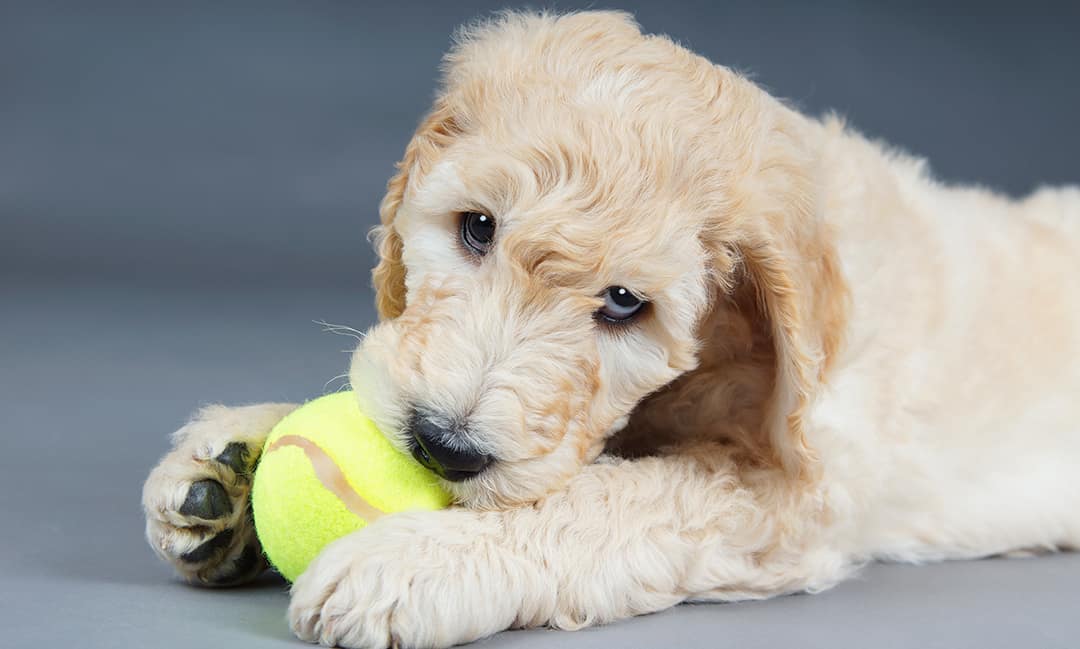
[(92, 379)]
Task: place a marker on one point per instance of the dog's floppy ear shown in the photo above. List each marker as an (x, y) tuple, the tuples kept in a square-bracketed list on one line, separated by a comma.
[(388, 276), (772, 227), (804, 298)]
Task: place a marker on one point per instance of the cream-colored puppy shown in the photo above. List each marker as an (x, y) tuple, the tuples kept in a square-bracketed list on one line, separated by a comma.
[(668, 339)]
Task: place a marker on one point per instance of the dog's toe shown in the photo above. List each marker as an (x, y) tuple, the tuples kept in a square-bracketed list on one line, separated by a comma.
[(237, 457), (206, 551), (244, 567)]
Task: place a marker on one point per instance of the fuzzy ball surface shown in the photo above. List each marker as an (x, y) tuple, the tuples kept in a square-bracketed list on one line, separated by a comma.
[(325, 472)]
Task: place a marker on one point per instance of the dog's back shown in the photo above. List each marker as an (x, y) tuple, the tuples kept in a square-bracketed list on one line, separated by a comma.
[(955, 411)]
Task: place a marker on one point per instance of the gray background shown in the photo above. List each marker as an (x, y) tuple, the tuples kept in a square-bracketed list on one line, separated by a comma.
[(185, 187)]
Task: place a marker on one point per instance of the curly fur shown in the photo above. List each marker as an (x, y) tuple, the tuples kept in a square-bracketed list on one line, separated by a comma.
[(842, 360)]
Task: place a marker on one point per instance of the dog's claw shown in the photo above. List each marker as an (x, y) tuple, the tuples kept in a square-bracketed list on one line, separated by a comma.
[(208, 500), (236, 456)]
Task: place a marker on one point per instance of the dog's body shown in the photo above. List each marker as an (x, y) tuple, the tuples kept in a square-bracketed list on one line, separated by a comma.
[(951, 418), (840, 360)]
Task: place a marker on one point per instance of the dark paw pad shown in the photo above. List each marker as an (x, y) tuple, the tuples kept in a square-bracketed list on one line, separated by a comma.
[(205, 551), (236, 456), (206, 499)]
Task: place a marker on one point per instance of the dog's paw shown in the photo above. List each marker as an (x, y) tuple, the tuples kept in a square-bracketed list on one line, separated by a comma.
[(198, 518), (409, 580), (198, 512)]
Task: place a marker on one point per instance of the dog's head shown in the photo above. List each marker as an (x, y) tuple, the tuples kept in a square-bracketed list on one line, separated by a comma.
[(577, 202)]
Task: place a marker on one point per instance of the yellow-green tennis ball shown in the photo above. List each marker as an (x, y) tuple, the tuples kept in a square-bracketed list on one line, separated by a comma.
[(326, 471)]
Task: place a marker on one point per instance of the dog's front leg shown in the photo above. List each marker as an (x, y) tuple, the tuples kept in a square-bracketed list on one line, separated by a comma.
[(624, 538)]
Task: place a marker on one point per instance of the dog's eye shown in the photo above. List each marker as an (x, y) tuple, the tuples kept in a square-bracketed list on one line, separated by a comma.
[(619, 304), (477, 231)]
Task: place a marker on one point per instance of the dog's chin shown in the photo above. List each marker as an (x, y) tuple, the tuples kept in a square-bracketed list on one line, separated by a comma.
[(475, 493)]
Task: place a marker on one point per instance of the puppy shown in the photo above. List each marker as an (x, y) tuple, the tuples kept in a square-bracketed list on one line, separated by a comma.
[(667, 339)]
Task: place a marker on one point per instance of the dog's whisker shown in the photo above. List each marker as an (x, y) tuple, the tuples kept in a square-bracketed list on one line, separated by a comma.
[(341, 330), (344, 386)]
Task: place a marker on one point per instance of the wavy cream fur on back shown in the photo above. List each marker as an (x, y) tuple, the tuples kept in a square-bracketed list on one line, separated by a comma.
[(841, 359)]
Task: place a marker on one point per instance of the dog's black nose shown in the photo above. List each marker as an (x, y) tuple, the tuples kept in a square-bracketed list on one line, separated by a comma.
[(442, 450)]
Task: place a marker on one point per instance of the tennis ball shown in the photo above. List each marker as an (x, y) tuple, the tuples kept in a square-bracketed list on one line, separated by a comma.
[(326, 471)]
